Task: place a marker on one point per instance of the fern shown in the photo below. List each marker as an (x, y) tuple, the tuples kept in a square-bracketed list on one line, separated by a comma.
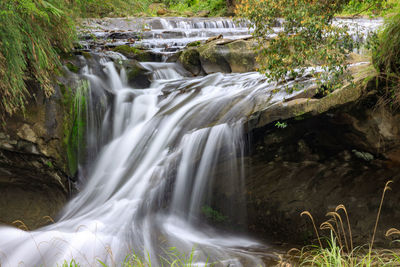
[(32, 34)]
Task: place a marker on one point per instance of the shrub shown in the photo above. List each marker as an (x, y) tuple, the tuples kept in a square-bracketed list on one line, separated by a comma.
[(32, 34), (386, 54)]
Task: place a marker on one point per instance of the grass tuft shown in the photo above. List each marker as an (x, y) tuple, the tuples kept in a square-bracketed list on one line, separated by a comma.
[(338, 253)]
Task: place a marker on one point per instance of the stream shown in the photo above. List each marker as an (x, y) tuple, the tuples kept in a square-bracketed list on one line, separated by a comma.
[(154, 156)]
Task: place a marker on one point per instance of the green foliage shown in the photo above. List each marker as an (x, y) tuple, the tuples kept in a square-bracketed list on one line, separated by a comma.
[(215, 7), (333, 255), (362, 7), (308, 39), (72, 263), (194, 44), (386, 53), (32, 34), (109, 8), (281, 125), (386, 59), (338, 250), (170, 257), (50, 164), (370, 7), (213, 215)]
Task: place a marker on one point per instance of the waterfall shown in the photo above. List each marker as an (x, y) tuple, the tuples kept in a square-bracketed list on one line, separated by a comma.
[(164, 166), (152, 184)]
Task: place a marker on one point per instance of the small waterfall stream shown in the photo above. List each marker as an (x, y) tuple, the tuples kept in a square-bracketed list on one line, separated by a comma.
[(155, 156), (153, 175)]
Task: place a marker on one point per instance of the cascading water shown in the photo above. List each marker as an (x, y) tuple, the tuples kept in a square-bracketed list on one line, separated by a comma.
[(154, 173), (155, 156)]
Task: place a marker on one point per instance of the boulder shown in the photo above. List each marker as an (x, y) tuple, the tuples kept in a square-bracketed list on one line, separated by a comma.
[(138, 54), (190, 60), (138, 76), (221, 55)]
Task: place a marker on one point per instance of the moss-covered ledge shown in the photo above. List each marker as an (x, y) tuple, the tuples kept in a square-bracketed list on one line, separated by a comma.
[(264, 114)]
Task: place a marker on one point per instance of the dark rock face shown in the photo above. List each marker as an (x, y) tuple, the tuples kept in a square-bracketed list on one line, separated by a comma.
[(138, 76), (342, 156), (33, 179)]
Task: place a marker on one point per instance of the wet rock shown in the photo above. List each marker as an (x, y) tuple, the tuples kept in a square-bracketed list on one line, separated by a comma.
[(213, 59), (190, 60), (26, 133), (341, 151), (31, 190), (221, 55), (241, 56), (310, 166), (305, 105), (123, 35), (138, 76), (214, 38), (138, 54)]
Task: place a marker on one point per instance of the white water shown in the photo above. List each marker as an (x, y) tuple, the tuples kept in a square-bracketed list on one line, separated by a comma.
[(148, 185), (162, 34), (166, 35), (156, 156)]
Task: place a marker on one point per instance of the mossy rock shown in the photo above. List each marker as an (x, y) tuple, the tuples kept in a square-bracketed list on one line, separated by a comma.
[(128, 51), (224, 55), (137, 54), (194, 44), (190, 60), (241, 56), (72, 67), (138, 76), (213, 58)]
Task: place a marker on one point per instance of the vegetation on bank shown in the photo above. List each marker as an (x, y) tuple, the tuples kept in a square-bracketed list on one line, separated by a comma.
[(386, 59), (32, 35), (371, 8), (308, 38), (193, 7), (170, 258), (337, 249)]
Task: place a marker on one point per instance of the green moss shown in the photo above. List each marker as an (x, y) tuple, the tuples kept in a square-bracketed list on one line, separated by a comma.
[(50, 164), (127, 50), (190, 57), (194, 44), (72, 67), (134, 72), (213, 215), (87, 55), (74, 124)]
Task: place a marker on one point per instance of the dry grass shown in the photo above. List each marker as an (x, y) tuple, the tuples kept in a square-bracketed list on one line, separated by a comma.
[(339, 249)]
